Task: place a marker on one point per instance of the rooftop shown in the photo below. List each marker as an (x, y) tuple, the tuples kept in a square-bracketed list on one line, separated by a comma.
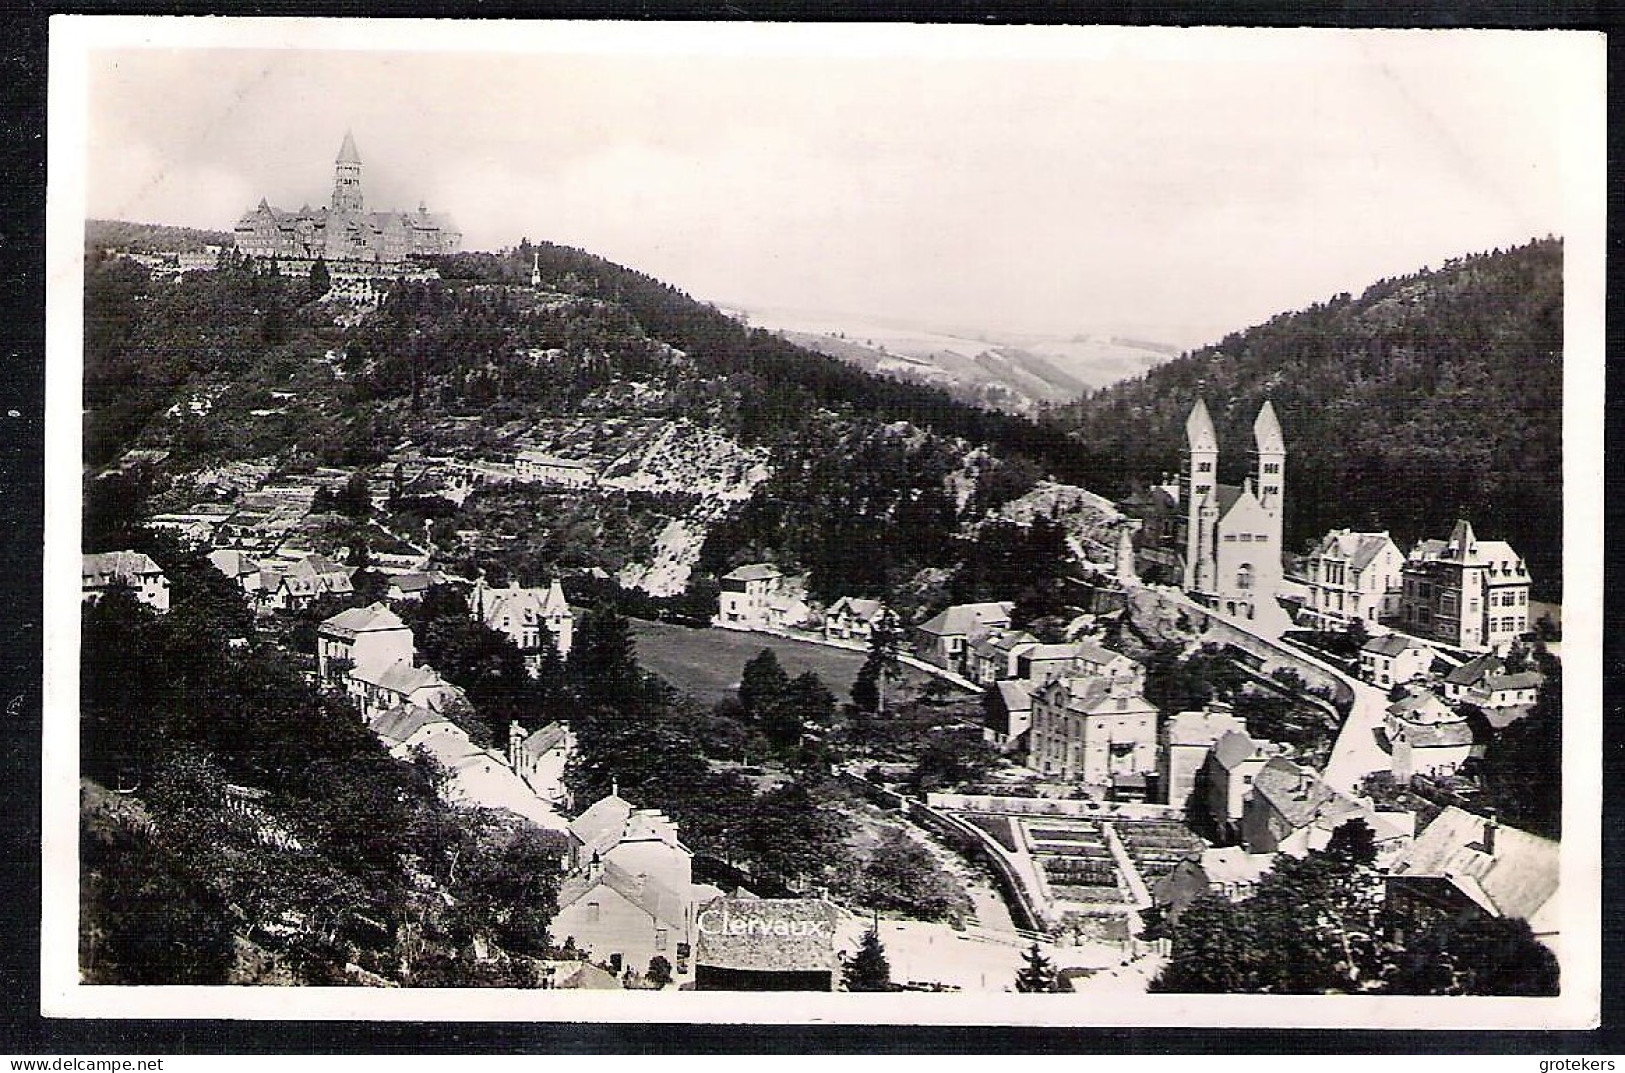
[(1515, 880)]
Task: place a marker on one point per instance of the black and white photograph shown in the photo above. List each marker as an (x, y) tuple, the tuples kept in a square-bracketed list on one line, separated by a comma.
[(594, 521)]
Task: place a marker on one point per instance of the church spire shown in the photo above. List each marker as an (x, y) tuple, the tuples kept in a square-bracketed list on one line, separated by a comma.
[(347, 152), (1199, 434)]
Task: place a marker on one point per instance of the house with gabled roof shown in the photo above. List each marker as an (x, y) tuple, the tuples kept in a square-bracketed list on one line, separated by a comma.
[(1426, 736), (1485, 682), (944, 639), (1092, 731), (290, 586), (767, 944), (540, 757), (1464, 865), (854, 619), (1394, 659), (1352, 577), (622, 919), (134, 570), (1230, 873), (1232, 764), (371, 637), (995, 656), (1465, 592), (1290, 810), (758, 597), (1009, 714), (525, 615), (1186, 739), (378, 688)]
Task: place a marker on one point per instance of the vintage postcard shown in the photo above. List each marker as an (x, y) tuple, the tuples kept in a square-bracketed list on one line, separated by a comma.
[(856, 524)]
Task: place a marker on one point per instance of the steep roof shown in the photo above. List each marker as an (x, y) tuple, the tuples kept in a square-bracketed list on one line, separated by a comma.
[(1515, 881), (753, 572), (1474, 669), (965, 619), (1204, 727), (1267, 431), (402, 721), (647, 893), (347, 152), (1233, 864), (1015, 696), (1299, 795), (1390, 644), (118, 564), (1358, 548), (864, 610), (370, 619), (400, 677), (233, 564), (1233, 748), (541, 741), (599, 827), (1521, 680), (1088, 651), (768, 934), (1199, 434)]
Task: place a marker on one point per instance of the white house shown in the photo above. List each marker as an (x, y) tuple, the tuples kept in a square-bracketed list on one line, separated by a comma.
[(524, 614), (540, 468), (853, 619), (134, 570), (1394, 659), (372, 637), (1353, 577), (757, 597), (1426, 736)]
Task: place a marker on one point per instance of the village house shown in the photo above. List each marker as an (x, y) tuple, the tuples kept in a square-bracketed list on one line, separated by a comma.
[(1040, 664), (1426, 736), (629, 894), (746, 599), (239, 568), (767, 944), (944, 639), (1094, 660), (474, 776), (373, 637), (1186, 741), (1232, 764), (377, 688), (852, 619), (993, 656), (539, 468), (1467, 593), (133, 570), (1230, 873), (410, 587), (1291, 811), (293, 585), (1486, 683), (1009, 714), (1092, 731), (1463, 866), (1352, 577), (1394, 659), (540, 758), (525, 615)]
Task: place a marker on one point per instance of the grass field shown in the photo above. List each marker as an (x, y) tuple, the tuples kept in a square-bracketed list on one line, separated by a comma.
[(707, 663)]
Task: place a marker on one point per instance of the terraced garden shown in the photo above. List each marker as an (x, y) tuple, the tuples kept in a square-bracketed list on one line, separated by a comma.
[(1156, 846)]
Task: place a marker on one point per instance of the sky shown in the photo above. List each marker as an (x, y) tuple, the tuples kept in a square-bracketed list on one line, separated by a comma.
[(1171, 183)]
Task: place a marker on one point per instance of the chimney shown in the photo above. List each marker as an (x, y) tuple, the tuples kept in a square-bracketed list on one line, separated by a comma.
[(1490, 825)]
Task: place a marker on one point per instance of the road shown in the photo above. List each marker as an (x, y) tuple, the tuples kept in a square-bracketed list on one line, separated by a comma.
[(1357, 753)]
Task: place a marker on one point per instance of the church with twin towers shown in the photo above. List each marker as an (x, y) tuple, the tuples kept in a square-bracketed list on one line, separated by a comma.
[(1228, 537)]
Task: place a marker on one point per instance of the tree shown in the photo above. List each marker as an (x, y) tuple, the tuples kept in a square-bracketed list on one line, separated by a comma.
[(659, 973), (868, 970), (321, 280), (762, 685), (1037, 976), (1483, 955), (882, 666)]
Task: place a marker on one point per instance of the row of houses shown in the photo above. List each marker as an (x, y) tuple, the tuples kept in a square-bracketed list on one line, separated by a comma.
[(1463, 592), (1459, 867)]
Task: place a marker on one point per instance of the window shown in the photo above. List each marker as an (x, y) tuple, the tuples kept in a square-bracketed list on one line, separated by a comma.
[(1272, 467), (592, 912), (1246, 538), (660, 938), (1244, 576), (1204, 467)]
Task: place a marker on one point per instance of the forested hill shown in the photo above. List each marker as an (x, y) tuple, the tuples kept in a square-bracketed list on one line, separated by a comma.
[(1428, 397), (152, 238)]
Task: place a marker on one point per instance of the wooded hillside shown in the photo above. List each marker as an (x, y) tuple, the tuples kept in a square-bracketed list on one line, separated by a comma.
[(1428, 397)]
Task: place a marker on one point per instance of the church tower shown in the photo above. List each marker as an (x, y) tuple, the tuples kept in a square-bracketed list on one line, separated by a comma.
[(1196, 486), (347, 177), (1269, 467)]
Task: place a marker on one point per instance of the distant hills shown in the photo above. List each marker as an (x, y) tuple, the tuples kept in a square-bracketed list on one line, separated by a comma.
[(1430, 396), (152, 238), (1021, 374)]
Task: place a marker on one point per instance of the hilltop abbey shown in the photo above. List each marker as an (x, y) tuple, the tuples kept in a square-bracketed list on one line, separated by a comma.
[(345, 232)]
